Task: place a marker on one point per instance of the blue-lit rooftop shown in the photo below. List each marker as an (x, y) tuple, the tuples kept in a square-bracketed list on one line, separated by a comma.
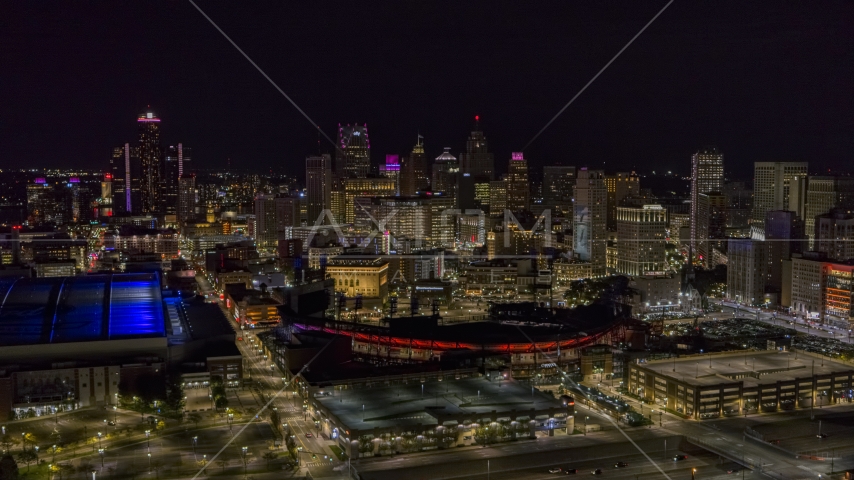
[(80, 309)]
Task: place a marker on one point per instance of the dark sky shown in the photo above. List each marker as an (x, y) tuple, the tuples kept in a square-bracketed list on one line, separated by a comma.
[(762, 80)]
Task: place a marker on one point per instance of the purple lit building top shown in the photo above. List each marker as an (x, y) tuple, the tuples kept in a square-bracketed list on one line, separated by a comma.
[(392, 162), (516, 156)]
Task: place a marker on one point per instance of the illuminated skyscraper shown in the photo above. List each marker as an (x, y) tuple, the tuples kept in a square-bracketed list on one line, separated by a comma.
[(391, 169), (176, 162), (771, 182), (558, 181), (640, 240), (477, 161), (353, 155), (590, 213), (125, 169), (707, 175), (518, 184), (274, 214), (318, 187), (150, 158), (823, 193), (446, 171), (620, 186), (415, 170), (186, 202)]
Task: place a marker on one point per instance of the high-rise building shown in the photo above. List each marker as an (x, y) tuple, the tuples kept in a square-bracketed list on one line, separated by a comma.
[(176, 162), (518, 184), (798, 195), (186, 208), (620, 186), (274, 214), (446, 171), (476, 160), (353, 155), (363, 187), (150, 158), (125, 169), (640, 240), (834, 234), (784, 236), (105, 202), (825, 193), (318, 187), (391, 169), (821, 289), (589, 219), (497, 197), (707, 175), (771, 185), (558, 181), (415, 170), (747, 266), (711, 224)]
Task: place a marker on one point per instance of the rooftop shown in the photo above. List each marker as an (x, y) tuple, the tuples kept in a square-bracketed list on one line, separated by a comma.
[(80, 309), (753, 368), (417, 403)]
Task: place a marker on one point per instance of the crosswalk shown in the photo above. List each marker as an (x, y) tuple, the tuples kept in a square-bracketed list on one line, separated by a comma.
[(317, 464)]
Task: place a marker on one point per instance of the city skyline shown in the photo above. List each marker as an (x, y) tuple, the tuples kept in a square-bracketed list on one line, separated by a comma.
[(778, 55)]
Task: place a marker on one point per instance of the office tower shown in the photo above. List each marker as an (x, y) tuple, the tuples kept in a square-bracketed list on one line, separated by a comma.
[(620, 186), (318, 187), (446, 169), (739, 204), (127, 179), (363, 187), (771, 184), (476, 160), (518, 184), (105, 202), (176, 162), (784, 236), (274, 214), (640, 240), (186, 205), (798, 196), (822, 289), (589, 219), (391, 169), (497, 197), (825, 193), (558, 181), (353, 155), (834, 234), (415, 170), (707, 175), (150, 158), (747, 266), (711, 225)]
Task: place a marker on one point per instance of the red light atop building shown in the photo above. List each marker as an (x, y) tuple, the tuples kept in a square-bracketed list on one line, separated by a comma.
[(477, 118)]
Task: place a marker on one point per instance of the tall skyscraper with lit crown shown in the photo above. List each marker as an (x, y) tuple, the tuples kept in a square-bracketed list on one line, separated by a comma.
[(150, 158), (476, 160), (353, 155)]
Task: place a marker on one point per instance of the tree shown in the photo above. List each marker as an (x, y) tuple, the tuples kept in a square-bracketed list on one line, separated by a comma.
[(8, 468), (269, 457), (174, 392), (221, 402), (160, 425), (8, 442), (27, 457), (195, 418)]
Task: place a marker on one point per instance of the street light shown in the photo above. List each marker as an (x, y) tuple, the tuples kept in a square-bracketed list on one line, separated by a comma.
[(195, 440), (101, 453), (244, 460), (99, 439), (149, 463), (694, 470), (148, 439)]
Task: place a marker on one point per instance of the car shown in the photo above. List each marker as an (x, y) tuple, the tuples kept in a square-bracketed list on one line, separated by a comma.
[(733, 470), (554, 470), (308, 435), (111, 423), (621, 465), (570, 471), (239, 339), (677, 458), (598, 471), (821, 435)]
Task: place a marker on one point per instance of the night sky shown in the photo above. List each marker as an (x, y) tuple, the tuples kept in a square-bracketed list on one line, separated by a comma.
[(764, 81)]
